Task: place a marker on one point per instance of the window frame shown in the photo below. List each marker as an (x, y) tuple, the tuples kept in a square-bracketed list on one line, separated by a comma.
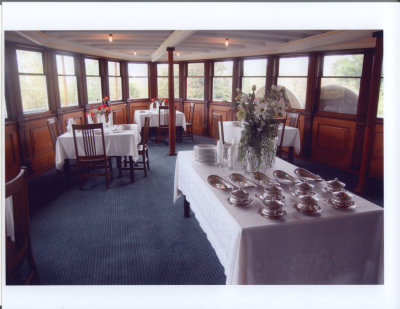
[(90, 75), (295, 76), (222, 76), (158, 76), (344, 116), (120, 76), (187, 78), (138, 76), (242, 64), (45, 73), (76, 69)]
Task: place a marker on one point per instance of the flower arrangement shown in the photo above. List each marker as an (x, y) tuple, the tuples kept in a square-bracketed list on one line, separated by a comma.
[(257, 145), (105, 101), (159, 101)]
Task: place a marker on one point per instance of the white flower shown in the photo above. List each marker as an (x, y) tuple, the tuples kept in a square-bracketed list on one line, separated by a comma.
[(253, 87), (238, 90), (273, 87), (260, 108)]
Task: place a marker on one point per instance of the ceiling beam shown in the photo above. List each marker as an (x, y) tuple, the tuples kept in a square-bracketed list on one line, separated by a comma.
[(174, 39)]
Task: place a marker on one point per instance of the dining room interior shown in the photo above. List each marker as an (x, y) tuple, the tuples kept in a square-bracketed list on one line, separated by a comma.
[(136, 152)]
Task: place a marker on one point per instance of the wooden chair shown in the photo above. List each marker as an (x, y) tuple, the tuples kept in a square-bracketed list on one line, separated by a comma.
[(54, 130), (218, 128), (163, 122), (143, 148), (280, 122), (19, 250), (189, 125), (292, 119), (92, 156)]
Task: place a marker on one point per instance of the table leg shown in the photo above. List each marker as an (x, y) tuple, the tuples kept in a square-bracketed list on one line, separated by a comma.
[(67, 170), (131, 171), (291, 154), (186, 208)]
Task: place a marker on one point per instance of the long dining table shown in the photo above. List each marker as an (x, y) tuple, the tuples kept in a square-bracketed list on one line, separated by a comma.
[(120, 140), (334, 247)]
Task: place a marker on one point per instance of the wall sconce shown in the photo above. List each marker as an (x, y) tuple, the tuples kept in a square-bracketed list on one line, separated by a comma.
[(226, 42), (110, 38)]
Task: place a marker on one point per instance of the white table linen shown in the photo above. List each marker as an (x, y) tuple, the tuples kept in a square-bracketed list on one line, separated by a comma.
[(291, 138), (122, 143), (141, 114), (337, 247)]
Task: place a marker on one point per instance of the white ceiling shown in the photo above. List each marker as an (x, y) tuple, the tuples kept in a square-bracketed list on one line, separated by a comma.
[(150, 45)]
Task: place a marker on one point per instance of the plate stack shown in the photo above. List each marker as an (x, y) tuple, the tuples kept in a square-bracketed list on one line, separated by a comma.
[(205, 153)]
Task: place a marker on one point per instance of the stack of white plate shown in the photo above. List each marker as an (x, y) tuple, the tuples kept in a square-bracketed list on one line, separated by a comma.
[(205, 153)]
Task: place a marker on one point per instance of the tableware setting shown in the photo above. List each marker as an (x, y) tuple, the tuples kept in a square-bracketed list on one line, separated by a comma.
[(333, 186), (240, 198), (240, 181), (284, 178), (302, 188), (273, 192), (262, 179), (218, 182), (308, 205), (205, 153), (271, 208), (307, 176), (342, 200)]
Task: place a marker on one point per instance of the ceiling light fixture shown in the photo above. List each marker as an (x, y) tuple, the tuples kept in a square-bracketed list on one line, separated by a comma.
[(226, 42), (178, 53), (134, 53), (110, 38)]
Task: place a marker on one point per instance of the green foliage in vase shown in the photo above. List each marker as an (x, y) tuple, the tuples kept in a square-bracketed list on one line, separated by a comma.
[(258, 115)]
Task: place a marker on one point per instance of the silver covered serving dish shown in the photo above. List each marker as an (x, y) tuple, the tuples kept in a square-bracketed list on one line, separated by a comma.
[(272, 209), (333, 186), (273, 192), (308, 205), (302, 188), (239, 198), (342, 200)]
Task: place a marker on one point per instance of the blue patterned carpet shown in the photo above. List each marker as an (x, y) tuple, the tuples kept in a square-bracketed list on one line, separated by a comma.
[(132, 233)]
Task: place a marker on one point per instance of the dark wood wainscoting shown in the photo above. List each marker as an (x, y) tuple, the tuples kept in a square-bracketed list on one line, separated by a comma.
[(138, 105), (198, 117), (333, 141), (376, 167), (12, 156), (219, 109), (119, 113), (39, 146)]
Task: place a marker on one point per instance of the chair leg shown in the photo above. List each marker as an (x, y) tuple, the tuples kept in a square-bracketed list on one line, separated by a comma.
[(147, 158), (119, 166), (111, 168), (106, 172), (144, 163), (131, 170)]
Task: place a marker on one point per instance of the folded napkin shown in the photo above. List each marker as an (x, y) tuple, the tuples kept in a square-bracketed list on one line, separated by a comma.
[(220, 152), (233, 153)]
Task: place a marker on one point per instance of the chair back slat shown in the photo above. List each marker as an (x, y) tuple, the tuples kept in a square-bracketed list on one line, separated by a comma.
[(215, 123), (293, 119), (280, 122), (163, 116), (191, 113), (90, 149)]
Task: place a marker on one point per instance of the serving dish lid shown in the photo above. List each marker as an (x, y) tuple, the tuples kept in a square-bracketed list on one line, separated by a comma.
[(303, 187), (271, 203), (308, 201), (239, 194), (342, 196), (335, 184)]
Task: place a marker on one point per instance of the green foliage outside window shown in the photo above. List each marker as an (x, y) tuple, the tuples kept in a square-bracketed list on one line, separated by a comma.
[(195, 81), (222, 81), (162, 80)]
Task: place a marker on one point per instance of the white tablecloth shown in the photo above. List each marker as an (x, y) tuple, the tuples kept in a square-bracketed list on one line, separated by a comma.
[(123, 143), (337, 247), (291, 138), (141, 114)]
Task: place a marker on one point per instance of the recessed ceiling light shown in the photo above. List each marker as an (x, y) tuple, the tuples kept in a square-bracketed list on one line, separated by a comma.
[(110, 38), (226, 42)]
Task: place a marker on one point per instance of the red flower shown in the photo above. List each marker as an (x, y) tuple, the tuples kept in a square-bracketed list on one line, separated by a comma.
[(91, 114), (152, 100), (104, 106), (99, 108), (105, 98), (166, 100)]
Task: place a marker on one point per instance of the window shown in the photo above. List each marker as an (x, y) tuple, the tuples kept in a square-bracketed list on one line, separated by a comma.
[(114, 81), (340, 83), (138, 80), (93, 80), (254, 73), (67, 81), (293, 76), (162, 80), (222, 81), (195, 81), (32, 81)]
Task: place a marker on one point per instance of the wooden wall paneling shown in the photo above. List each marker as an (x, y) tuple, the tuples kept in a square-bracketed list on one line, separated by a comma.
[(376, 166), (119, 113), (198, 117), (39, 144), (11, 151), (333, 141), (133, 106), (218, 109), (77, 116)]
